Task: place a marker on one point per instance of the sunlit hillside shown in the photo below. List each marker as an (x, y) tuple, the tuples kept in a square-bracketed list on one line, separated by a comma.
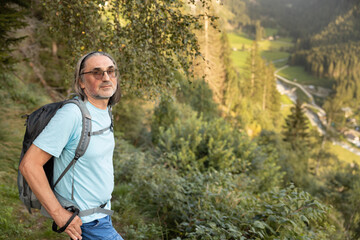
[(218, 134)]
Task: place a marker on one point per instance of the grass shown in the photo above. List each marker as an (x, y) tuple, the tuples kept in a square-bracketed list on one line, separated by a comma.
[(285, 39), (343, 154), (239, 58), (299, 75), (17, 99), (280, 63), (17, 223), (270, 50), (239, 41), (285, 100), (275, 55), (267, 45), (270, 32)]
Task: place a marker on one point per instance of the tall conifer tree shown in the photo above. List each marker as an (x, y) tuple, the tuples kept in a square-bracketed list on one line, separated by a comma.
[(11, 19), (296, 127)]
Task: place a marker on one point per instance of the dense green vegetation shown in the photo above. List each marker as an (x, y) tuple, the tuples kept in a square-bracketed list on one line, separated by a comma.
[(333, 53), (211, 156), (298, 18)]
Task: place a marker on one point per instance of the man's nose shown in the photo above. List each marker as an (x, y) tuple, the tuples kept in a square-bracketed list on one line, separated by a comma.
[(105, 76)]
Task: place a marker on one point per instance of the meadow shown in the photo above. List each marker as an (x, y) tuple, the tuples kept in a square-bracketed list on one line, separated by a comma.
[(277, 51)]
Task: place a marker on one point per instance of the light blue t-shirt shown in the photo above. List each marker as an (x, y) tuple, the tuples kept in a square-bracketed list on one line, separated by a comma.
[(93, 173)]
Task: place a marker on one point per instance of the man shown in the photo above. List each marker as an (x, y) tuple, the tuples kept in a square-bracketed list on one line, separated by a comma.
[(89, 183)]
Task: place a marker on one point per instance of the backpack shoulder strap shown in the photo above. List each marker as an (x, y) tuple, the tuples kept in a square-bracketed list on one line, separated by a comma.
[(111, 127), (84, 139), (86, 127)]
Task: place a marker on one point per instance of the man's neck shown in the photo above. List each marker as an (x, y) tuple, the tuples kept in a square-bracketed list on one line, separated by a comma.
[(99, 103)]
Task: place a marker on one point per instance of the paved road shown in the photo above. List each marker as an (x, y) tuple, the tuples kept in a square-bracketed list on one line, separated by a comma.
[(311, 98), (317, 112), (314, 118)]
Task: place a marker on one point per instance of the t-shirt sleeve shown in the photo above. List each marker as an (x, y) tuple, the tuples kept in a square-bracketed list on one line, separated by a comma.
[(60, 131)]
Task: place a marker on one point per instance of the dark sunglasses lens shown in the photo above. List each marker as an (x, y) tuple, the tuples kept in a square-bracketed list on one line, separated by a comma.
[(98, 74), (112, 73)]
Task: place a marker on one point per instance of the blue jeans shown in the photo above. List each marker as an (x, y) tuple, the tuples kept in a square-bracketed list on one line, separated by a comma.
[(100, 229)]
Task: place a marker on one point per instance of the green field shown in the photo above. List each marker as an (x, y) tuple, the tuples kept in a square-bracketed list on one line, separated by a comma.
[(343, 154), (275, 45), (272, 51), (239, 59), (299, 75), (274, 55), (270, 32), (239, 41), (286, 100)]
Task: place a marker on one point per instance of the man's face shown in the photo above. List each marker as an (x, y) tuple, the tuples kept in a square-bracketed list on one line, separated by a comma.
[(98, 89)]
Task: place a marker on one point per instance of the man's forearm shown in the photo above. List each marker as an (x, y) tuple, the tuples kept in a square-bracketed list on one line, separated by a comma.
[(32, 169), (37, 180)]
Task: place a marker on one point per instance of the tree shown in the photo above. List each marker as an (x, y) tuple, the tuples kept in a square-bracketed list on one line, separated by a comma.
[(296, 127), (11, 18), (149, 39)]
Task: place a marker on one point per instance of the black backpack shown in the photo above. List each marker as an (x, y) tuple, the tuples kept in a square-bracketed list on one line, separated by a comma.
[(35, 123)]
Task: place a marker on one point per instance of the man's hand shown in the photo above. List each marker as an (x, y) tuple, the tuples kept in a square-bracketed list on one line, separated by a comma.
[(73, 230)]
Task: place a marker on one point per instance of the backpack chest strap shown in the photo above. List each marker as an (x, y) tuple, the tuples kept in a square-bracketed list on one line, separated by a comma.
[(91, 211)]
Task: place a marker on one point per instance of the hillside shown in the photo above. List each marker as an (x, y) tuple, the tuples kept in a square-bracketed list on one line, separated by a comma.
[(299, 18), (19, 96), (344, 29), (334, 54), (196, 157)]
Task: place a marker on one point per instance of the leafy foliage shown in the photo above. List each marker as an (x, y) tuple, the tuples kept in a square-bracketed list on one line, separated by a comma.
[(199, 96), (252, 97), (219, 205), (200, 177), (150, 40), (194, 144), (342, 190), (333, 53), (129, 118)]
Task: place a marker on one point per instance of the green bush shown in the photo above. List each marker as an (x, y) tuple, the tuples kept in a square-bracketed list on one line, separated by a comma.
[(342, 190), (129, 115), (197, 144), (216, 205), (16, 92), (186, 200), (199, 96)]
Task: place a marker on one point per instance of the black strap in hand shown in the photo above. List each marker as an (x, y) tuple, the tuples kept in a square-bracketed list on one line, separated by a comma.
[(75, 213)]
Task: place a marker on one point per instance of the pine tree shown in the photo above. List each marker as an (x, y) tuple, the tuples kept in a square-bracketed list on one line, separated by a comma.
[(296, 128), (11, 19)]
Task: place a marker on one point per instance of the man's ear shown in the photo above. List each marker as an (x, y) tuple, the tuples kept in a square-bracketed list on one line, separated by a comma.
[(81, 83)]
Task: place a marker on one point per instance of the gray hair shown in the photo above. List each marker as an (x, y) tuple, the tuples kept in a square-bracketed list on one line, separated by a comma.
[(78, 77)]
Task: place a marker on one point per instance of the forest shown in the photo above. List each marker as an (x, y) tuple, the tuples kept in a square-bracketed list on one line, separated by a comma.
[(207, 147)]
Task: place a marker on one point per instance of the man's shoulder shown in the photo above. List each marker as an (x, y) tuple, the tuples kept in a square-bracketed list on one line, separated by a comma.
[(70, 109), (68, 114)]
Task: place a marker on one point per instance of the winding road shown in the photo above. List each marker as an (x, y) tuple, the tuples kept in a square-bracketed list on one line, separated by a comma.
[(317, 117)]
